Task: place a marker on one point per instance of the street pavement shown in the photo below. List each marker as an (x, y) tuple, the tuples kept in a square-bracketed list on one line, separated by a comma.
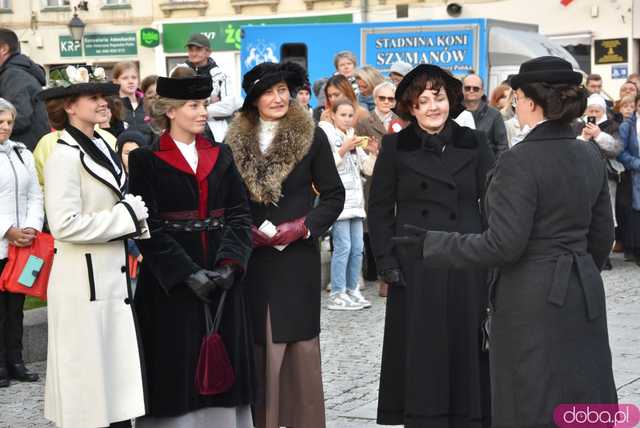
[(351, 349)]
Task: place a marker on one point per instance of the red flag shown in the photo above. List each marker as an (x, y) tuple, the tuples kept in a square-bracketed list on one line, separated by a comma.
[(566, 2)]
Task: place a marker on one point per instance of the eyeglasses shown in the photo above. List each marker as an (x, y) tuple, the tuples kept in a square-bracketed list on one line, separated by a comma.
[(387, 99), (472, 88)]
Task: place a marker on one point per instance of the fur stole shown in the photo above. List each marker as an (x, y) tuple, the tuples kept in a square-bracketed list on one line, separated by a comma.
[(263, 174)]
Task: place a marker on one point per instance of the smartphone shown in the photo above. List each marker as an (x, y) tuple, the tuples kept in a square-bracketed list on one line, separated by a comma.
[(591, 119), (31, 270)]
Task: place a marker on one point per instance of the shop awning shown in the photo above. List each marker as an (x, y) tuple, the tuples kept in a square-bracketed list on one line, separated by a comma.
[(571, 39), (513, 47)]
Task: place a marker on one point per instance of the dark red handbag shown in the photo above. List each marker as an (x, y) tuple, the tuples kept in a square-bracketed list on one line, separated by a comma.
[(214, 373), (20, 258)]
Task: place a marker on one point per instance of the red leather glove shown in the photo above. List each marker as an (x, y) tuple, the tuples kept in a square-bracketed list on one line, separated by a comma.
[(258, 238), (290, 231)]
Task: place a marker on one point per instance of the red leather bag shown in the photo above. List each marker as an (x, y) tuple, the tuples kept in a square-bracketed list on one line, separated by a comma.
[(214, 373), (42, 248)]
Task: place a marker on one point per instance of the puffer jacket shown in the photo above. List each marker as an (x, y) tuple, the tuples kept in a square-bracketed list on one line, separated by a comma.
[(20, 194), (349, 167), (20, 80)]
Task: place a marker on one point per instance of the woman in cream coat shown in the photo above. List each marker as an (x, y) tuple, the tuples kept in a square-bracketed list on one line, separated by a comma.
[(94, 371)]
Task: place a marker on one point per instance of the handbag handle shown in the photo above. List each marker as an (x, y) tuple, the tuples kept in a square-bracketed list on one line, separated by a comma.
[(213, 324)]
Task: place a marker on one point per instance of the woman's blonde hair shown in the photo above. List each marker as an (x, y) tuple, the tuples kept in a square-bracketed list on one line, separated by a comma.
[(370, 76), (344, 54), (160, 106), (387, 84)]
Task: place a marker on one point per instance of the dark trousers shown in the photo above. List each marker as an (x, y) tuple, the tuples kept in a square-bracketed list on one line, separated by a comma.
[(11, 314)]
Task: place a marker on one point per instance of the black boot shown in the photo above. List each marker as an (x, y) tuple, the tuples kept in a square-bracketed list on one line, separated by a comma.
[(607, 264), (19, 372), (4, 377)]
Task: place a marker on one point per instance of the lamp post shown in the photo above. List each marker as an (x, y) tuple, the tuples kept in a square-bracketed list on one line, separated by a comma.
[(76, 27)]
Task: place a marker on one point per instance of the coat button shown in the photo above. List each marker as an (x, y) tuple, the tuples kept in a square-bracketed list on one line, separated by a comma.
[(127, 301), (452, 216), (451, 186), (424, 185), (425, 213), (123, 269)]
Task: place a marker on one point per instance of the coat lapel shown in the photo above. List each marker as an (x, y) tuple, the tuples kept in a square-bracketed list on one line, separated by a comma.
[(96, 170), (461, 150), (169, 153)]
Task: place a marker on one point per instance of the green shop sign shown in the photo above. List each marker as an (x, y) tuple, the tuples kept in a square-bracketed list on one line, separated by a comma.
[(118, 44), (149, 37), (226, 35)]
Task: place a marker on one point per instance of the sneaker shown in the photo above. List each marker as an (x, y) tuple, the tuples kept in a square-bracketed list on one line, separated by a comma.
[(342, 302), (356, 296)]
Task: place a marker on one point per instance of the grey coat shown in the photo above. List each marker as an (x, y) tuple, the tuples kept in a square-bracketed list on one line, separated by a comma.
[(550, 231), (20, 80), (489, 120)]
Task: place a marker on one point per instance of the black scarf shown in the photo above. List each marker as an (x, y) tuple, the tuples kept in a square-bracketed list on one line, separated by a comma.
[(434, 142), (95, 153)]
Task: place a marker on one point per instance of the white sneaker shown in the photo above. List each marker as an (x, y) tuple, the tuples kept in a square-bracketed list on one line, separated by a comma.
[(356, 296), (342, 302)]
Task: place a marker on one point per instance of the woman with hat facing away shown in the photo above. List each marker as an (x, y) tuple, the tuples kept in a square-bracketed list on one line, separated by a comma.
[(200, 243), (550, 232), (430, 174), (286, 164), (94, 370)]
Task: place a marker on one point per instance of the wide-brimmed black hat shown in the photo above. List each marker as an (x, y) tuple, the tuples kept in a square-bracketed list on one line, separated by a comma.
[(546, 69), (263, 76), (79, 89), (186, 88), (67, 81), (453, 86)]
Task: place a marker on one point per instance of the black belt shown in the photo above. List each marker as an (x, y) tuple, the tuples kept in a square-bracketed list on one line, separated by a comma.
[(189, 221)]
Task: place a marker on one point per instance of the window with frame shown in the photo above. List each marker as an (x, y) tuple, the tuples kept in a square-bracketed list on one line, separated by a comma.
[(116, 2), (57, 3), (5, 4)]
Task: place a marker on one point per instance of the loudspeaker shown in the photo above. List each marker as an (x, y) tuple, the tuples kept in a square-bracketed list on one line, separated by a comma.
[(454, 10), (295, 52)]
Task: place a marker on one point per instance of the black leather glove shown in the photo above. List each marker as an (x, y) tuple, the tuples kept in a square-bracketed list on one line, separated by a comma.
[(414, 236), (201, 284), (393, 277), (223, 276)]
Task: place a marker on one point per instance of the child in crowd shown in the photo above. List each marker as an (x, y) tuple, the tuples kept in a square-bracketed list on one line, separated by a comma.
[(351, 159), (126, 75)]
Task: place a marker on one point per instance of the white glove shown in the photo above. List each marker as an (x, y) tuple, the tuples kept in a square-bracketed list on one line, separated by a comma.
[(138, 206)]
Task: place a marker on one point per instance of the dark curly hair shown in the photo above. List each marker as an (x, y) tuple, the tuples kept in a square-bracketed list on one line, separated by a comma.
[(409, 97), (560, 101)]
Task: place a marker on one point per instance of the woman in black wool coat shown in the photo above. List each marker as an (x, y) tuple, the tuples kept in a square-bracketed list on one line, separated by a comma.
[(550, 231), (431, 174), (200, 244), (286, 164)]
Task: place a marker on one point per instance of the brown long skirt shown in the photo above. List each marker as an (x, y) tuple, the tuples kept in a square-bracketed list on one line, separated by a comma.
[(289, 384)]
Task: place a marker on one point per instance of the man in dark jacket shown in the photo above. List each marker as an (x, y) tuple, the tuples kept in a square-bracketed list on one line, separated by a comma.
[(487, 119), (20, 80)]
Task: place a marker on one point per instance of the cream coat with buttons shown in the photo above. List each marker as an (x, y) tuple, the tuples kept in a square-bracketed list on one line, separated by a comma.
[(94, 372)]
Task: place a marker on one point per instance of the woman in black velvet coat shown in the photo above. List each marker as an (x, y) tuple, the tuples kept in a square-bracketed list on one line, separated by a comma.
[(431, 174), (200, 244)]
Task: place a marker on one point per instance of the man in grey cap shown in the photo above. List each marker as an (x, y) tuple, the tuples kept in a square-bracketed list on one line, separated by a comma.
[(223, 103), (398, 71)]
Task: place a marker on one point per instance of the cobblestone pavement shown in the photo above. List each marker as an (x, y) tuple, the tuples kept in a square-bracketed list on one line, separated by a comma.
[(351, 347)]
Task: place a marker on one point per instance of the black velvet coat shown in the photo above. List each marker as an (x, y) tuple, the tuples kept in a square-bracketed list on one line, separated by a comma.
[(433, 371), (172, 322), (550, 231), (282, 185)]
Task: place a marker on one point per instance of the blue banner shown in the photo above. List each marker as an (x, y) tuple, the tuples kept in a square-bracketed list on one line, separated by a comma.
[(453, 48)]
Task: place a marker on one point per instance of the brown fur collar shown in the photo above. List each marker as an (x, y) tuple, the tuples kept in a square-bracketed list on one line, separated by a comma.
[(264, 174)]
